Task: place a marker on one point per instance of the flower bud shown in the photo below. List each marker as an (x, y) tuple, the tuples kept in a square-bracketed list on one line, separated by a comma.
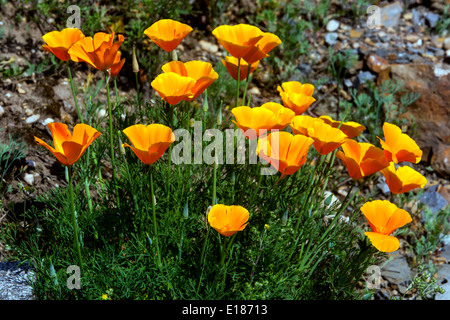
[(186, 211), (284, 218), (135, 63)]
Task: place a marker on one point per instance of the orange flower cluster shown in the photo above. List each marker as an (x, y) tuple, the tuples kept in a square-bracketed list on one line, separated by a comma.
[(100, 51), (247, 46)]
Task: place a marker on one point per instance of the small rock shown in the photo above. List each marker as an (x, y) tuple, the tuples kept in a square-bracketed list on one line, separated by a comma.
[(2, 111), (411, 37), (408, 16), (21, 90), (332, 25), (32, 119), (208, 46), (362, 77), (390, 14), (397, 271), (331, 38), (28, 178), (377, 63), (47, 121), (447, 43), (446, 294), (434, 200), (432, 19), (355, 34)]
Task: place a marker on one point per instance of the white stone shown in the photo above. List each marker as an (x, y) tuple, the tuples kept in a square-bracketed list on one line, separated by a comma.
[(32, 118), (28, 178), (332, 25)]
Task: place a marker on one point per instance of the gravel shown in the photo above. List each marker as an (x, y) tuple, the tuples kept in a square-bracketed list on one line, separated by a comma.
[(15, 281)]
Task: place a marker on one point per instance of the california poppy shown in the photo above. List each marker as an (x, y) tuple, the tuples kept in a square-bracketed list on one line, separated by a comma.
[(173, 87), (254, 121), (227, 220), (261, 49), (167, 33), (101, 52), (326, 138), (361, 159), (239, 39), (399, 147), (149, 142), (59, 42), (299, 124), (201, 71), (286, 152), (231, 63), (283, 115), (384, 218), (69, 148), (350, 128), (403, 179), (296, 96)]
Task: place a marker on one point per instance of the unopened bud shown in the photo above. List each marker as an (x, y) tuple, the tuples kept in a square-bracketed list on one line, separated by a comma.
[(135, 63), (219, 117), (205, 102), (284, 218), (186, 211), (174, 55)]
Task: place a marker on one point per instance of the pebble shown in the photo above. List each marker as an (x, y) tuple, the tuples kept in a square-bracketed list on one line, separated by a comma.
[(47, 121), (29, 178), (2, 111), (331, 38), (32, 119), (332, 25), (447, 43), (355, 34)]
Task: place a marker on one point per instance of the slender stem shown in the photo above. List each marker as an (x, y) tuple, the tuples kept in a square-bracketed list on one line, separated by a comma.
[(74, 219), (155, 227), (238, 82), (74, 93), (245, 88), (111, 139), (214, 196)]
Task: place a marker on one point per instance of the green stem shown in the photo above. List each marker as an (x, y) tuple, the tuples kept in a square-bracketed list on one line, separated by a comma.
[(111, 140), (238, 82), (74, 94), (74, 219), (155, 227), (245, 88), (214, 196)]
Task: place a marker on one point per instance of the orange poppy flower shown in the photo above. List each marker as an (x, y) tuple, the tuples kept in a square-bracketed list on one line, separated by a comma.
[(173, 87), (254, 122), (239, 39), (227, 220), (167, 33), (299, 124), (59, 42), (286, 152), (231, 63), (149, 142), (100, 52), (399, 147), (69, 148), (361, 159), (350, 128), (261, 49), (384, 218), (403, 179), (201, 71), (296, 96), (326, 138), (283, 115)]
